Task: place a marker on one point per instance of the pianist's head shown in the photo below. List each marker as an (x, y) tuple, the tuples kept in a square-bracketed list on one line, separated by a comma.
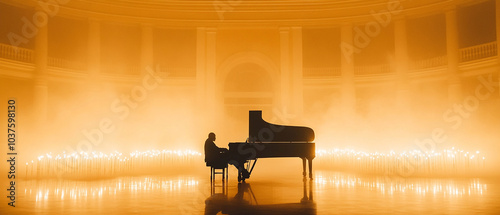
[(211, 136)]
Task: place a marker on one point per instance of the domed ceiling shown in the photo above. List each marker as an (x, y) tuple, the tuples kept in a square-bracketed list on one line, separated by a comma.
[(249, 12)]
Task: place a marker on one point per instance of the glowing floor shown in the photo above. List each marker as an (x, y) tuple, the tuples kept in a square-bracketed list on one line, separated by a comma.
[(328, 193)]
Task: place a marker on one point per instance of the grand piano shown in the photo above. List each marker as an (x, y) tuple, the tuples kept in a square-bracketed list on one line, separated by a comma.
[(267, 140)]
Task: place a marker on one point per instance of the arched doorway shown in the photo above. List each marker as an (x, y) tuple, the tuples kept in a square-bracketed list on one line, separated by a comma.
[(247, 87), (248, 81)]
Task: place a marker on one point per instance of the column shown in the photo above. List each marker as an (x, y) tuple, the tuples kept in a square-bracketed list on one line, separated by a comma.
[(147, 52), (454, 86), (200, 66), (285, 103), (41, 83), (206, 69), (348, 91), (401, 63), (93, 86), (94, 49), (213, 101), (297, 75), (498, 36)]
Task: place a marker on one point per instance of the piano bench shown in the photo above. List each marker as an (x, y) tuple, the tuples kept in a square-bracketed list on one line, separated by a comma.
[(223, 167)]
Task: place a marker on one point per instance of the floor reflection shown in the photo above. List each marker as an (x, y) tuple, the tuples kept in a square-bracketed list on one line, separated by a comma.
[(333, 192), (41, 190), (245, 202), (392, 185)]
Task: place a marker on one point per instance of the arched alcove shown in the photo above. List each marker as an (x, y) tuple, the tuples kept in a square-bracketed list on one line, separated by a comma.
[(246, 81), (247, 86)]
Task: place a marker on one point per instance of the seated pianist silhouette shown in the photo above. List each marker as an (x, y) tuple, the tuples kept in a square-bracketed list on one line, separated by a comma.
[(219, 158), (214, 156)]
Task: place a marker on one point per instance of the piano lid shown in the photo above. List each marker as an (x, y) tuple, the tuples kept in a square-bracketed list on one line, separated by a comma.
[(262, 131)]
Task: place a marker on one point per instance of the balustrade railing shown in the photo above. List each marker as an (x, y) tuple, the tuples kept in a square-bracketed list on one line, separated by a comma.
[(16, 53), (62, 63), (322, 72), (120, 69), (466, 54), (186, 72), (478, 52), (429, 63), (372, 69)]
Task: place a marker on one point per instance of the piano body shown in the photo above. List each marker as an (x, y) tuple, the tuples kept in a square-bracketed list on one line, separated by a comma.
[(267, 140)]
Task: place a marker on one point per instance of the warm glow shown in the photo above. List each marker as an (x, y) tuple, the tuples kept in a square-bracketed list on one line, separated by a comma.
[(96, 165), (449, 162), (121, 95)]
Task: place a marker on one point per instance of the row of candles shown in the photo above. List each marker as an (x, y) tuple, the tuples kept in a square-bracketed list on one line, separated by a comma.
[(83, 165), (411, 163), (94, 165)]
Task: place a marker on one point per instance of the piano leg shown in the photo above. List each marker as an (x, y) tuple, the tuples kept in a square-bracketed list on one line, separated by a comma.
[(304, 167), (310, 168)]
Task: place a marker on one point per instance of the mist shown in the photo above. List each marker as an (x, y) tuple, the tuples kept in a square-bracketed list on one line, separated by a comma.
[(109, 87)]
